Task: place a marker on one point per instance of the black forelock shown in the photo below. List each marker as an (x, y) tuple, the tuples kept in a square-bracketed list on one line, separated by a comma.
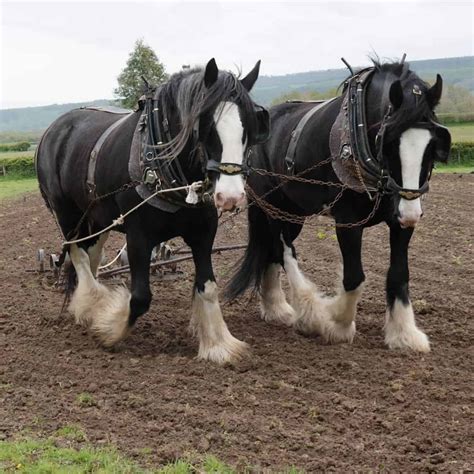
[(188, 94), (414, 108)]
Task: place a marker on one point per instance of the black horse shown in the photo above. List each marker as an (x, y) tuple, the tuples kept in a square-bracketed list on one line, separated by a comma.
[(377, 142), (183, 133)]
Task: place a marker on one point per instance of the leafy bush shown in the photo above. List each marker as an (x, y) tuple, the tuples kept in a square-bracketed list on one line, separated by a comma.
[(23, 166), (462, 152), (22, 146)]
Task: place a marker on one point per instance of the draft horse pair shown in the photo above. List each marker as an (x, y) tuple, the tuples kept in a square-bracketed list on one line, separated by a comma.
[(195, 132)]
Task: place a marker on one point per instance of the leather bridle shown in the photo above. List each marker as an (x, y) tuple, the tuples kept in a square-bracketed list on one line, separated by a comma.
[(167, 173), (375, 167)]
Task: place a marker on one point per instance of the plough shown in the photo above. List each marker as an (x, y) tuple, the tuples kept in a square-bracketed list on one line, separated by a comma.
[(162, 257)]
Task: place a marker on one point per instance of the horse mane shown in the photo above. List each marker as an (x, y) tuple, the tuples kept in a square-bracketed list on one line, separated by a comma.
[(414, 108), (187, 92)]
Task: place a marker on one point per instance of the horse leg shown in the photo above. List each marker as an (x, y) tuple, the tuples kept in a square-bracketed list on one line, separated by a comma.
[(105, 310), (400, 327), (311, 307), (273, 303), (95, 252), (216, 343), (342, 307)]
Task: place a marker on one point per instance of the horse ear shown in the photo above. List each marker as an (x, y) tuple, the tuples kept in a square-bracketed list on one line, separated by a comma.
[(396, 94), (434, 93), (249, 80), (211, 73)]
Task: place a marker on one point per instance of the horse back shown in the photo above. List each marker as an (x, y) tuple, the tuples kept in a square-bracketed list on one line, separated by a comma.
[(64, 151), (312, 147), (313, 141)]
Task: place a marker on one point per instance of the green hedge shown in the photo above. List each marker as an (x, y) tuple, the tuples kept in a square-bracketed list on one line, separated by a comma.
[(462, 153), (22, 146), (23, 166)]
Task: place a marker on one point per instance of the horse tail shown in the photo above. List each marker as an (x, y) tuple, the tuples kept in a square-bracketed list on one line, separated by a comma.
[(68, 280), (256, 258)]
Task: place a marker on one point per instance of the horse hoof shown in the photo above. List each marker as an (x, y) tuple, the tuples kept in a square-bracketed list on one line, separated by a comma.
[(229, 351), (336, 333), (414, 340), (110, 321), (279, 313)]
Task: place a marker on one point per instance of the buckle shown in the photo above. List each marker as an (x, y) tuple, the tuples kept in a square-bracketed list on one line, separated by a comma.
[(409, 195), (150, 177)]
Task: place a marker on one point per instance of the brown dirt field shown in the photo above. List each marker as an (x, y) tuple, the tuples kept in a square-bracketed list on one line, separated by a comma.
[(298, 402)]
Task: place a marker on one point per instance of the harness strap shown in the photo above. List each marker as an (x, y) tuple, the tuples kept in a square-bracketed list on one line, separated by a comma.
[(96, 150), (229, 169), (296, 133)]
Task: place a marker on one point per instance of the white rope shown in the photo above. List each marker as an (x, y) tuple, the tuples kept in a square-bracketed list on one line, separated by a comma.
[(115, 258), (120, 219)]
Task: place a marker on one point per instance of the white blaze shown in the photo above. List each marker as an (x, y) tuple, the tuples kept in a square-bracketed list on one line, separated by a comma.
[(413, 143), (230, 130)]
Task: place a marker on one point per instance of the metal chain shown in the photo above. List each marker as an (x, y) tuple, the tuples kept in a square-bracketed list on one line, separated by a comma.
[(362, 182), (279, 214), (298, 177)]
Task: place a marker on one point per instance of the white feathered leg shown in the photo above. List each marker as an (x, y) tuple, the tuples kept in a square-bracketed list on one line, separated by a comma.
[(216, 343), (273, 304), (104, 310), (314, 311), (401, 331)]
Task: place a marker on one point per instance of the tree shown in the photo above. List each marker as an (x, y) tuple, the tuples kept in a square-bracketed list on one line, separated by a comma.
[(142, 61)]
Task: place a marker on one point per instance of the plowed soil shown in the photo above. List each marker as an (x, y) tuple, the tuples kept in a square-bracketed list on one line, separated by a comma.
[(295, 401)]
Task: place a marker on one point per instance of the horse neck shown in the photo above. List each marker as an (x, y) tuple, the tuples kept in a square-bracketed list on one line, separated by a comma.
[(191, 166)]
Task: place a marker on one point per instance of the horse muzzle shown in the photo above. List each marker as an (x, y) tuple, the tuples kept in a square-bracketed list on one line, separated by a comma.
[(409, 212), (229, 202)]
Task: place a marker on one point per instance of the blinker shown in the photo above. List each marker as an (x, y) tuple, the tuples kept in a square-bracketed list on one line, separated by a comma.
[(263, 126)]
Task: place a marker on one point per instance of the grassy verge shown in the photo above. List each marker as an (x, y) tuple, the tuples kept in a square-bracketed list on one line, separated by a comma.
[(11, 186), (45, 456), (68, 452), (461, 132), (454, 168)]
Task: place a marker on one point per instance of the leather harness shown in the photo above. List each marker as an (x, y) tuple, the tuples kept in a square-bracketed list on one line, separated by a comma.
[(295, 134), (98, 145), (149, 169), (352, 159)]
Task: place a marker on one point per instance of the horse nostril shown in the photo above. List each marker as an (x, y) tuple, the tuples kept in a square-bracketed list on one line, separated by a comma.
[(219, 198)]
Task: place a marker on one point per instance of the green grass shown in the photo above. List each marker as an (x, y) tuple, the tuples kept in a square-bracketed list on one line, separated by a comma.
[(85, 400), (11, 187), (66, 452), (462, 132), (46, 456)]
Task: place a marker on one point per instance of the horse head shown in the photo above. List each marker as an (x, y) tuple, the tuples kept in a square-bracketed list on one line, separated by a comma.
[(228, 126), (412, 140)]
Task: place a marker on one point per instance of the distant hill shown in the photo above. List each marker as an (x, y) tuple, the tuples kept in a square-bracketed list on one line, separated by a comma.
[(455, 71), (38, 118)]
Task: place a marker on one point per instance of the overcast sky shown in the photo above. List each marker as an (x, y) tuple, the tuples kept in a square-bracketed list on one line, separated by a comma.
[(56, 52)]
